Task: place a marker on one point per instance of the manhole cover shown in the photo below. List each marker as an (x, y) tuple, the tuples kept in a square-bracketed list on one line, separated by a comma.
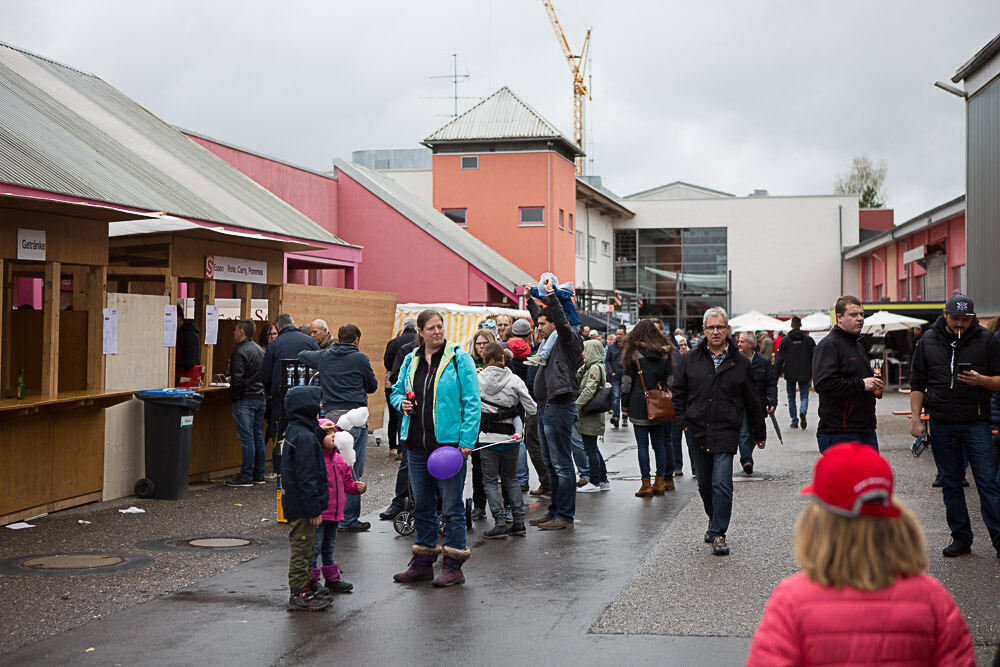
[(74, 564), (213, 543)]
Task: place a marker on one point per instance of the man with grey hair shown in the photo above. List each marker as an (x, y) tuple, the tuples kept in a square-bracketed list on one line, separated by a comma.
[(766, 383), (321, 334), (713, 392)]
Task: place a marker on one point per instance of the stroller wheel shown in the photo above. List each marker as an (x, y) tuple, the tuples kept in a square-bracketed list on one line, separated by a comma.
[(403, 523), (468, 513)]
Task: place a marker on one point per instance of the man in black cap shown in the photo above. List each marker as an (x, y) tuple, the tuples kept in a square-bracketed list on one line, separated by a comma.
[(956, 366)]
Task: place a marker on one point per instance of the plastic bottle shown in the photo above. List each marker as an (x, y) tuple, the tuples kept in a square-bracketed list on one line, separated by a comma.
[(20, 385)]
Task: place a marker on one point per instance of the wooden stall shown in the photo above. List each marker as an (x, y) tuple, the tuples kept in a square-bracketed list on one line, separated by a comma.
[(52, 437)]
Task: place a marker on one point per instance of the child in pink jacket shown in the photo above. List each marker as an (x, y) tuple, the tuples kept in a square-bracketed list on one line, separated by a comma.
[(341, 482)]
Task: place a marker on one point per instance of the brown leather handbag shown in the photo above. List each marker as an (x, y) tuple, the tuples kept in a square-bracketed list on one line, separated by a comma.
[(659, 407)]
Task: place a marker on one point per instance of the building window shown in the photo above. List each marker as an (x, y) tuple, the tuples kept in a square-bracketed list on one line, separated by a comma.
[(581, 247), (456, 215), (531, 216), (958, 279), (562, 224), (592, 248), (571, 228), (470, 162), (606, 248)]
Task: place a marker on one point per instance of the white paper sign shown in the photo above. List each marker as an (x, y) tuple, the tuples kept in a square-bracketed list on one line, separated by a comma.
[(31, 244), (211, 324), (169, 326), (234, 269), (110, 331)]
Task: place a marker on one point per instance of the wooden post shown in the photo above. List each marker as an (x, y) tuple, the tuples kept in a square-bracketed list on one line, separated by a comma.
[(50, 330), (96, 296), (170, 291), (207, 351), (246, 301), (275, 297), (81, 286)]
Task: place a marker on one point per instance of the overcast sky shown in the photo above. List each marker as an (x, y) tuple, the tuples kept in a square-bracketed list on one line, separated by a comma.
[(728, 94)]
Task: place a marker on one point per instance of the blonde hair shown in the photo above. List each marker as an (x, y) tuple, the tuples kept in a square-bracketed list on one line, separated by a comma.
[(482, 333), (866, 552)]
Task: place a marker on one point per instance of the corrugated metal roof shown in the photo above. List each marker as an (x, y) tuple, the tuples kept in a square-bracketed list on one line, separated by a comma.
[(435, 223), (501, 116), (65, 131)]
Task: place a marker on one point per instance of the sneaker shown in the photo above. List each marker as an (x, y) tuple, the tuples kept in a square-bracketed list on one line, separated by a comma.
[(957, 548), (307, 601), (802, 419), (508, 515), (534, 360), (590, 488), (555, 524), (497, 532), (583, 481), (679, 472), (793, 425), (359, 527), (604, 486), (270, 476), (239, 480), (537, 521), (259, 480), (390, 513), (517, 529), (748, 468), (478, 514), (719, 546)]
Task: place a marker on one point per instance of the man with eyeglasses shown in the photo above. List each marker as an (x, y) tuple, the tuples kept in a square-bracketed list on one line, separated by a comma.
[(844, 380)]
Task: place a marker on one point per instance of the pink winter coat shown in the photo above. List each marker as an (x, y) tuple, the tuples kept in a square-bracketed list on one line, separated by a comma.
[(912, 622), (341, 481)]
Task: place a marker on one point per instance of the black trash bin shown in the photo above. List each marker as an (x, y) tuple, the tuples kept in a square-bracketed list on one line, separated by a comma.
[(168, 417)]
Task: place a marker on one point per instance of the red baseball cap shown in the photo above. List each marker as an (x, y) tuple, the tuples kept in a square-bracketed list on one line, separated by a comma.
[(852, 479)]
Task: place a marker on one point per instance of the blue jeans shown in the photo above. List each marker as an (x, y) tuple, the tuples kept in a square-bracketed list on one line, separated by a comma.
[(352, 504), (598, 470), (948, 443), (616, 395), (715, 485), (676, 438), (326, 538), (579, 453), (556, 424), (426, 491), (249, 418), (522, 464), (655, 435), (746, 442), (828, 440), (803, 398)]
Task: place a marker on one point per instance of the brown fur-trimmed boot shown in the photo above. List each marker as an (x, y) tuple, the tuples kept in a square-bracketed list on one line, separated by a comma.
[(645, 491), (451, 574), (421, 565)]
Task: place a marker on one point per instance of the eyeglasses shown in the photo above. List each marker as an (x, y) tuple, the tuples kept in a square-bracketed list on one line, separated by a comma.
[(716, 327)]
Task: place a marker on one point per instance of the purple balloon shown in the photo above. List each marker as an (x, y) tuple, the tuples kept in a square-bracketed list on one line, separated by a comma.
[(444, 462)]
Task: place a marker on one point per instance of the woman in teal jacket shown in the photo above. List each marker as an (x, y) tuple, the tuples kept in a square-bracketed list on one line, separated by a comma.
[(438, 394)]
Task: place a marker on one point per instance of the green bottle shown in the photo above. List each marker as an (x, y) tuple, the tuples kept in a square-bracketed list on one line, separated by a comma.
[(20, 385)]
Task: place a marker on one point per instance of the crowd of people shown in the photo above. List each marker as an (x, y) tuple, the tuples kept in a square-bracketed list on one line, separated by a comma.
[(544, 390)]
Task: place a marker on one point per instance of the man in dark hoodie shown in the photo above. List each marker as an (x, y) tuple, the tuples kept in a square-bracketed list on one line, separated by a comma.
[(844, 381), (795, 357), (346, 377), (956, 366), (305, 492)]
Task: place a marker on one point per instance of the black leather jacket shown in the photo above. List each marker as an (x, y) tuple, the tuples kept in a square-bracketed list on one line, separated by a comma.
[(245, 382)]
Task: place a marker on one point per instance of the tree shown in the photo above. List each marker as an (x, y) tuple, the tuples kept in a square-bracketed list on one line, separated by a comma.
[(865, 180)]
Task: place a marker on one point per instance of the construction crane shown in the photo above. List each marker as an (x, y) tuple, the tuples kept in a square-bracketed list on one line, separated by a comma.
[(577, 65)]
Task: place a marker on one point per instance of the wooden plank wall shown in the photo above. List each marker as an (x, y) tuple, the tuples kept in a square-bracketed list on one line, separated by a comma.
[(372, 312)]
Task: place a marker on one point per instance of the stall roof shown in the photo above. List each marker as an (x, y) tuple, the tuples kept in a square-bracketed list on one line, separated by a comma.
[(70, 209), (172, 225), (69, 132)]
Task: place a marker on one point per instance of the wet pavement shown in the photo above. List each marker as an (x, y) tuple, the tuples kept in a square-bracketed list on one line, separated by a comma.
[(632, 580)]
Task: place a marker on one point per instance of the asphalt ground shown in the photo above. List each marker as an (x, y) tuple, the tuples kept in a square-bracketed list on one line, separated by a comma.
[(632, 580)]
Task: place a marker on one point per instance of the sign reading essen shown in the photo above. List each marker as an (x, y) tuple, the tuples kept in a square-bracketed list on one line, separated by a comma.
[(233, 269)]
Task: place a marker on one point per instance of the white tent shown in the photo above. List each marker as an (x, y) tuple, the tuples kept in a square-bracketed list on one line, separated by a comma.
[(459, 321), (818, 321), (754, 321), (884, 321)]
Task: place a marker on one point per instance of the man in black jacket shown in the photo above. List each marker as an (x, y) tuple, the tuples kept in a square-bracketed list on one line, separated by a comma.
[(556, 391), (246, 391), (613, 364), (346, 377), (287, 345), (713, 392), (795, 356), (956, 366), (766, 383), (407, 335), (844, 381)]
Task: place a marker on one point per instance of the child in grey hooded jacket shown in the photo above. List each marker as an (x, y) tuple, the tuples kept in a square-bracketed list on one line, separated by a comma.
[(501, 392)]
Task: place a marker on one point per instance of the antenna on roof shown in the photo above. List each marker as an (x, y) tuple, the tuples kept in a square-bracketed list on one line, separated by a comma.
[(455, 79)]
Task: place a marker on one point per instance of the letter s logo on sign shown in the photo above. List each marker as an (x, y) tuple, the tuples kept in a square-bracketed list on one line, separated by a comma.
[(210, 266)]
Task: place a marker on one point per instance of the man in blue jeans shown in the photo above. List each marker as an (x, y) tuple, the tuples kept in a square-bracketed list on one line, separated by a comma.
[(246, 390), (955, 368), (613, 362), (556, 391), (795, 358), (766, 383)]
